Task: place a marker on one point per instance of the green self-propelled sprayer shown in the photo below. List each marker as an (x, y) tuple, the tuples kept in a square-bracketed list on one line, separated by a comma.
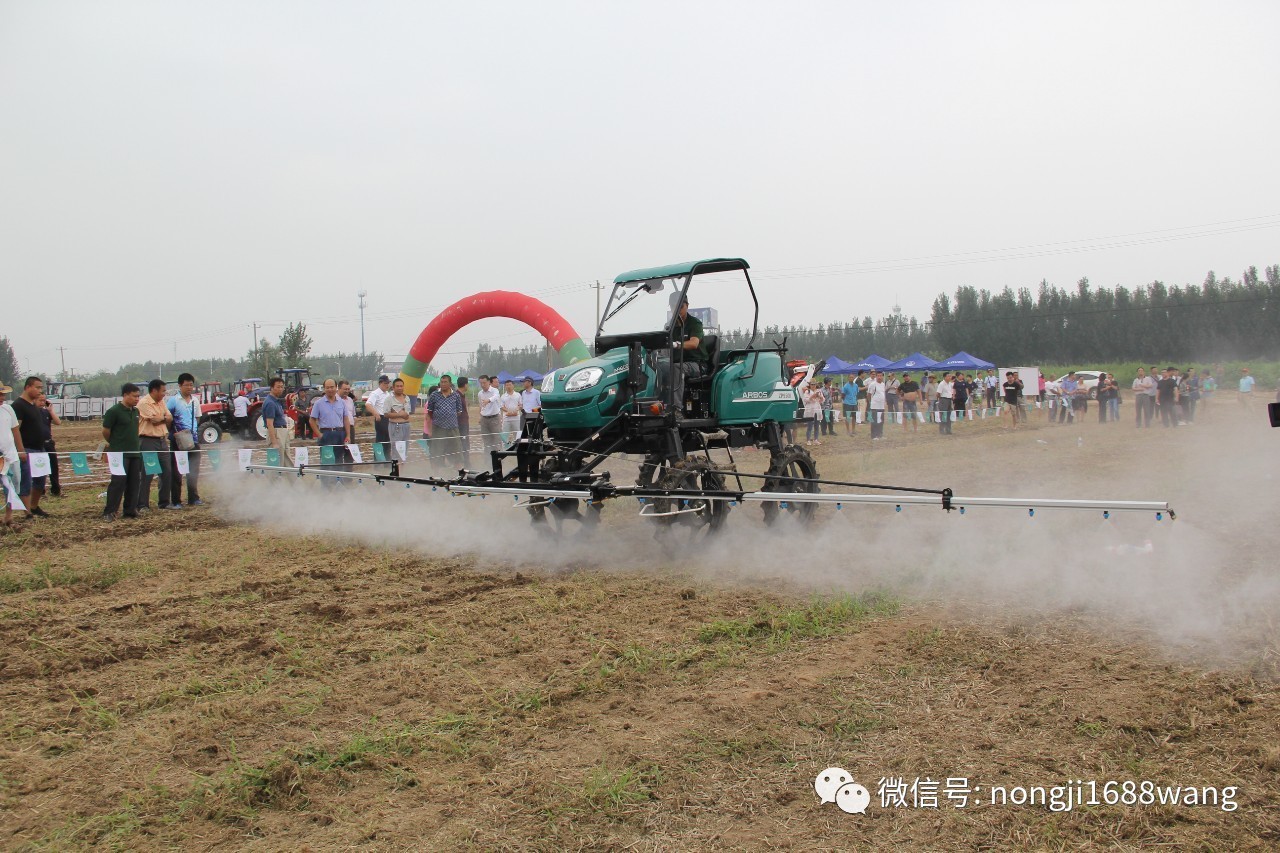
[(652, 392)]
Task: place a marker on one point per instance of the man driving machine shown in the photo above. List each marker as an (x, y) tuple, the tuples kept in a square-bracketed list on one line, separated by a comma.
[(689, 349)]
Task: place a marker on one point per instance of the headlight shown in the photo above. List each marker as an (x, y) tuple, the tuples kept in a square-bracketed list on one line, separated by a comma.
[(549, 382), (584, 379)]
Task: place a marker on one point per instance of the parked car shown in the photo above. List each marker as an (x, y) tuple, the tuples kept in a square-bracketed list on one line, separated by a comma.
[(1090, 380)]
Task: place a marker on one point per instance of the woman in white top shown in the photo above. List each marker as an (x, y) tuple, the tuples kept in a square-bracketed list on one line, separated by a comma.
[(812, 412)]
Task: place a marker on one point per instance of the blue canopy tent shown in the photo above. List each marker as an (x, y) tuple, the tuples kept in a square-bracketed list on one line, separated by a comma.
[(503, 376), (528, 374), (836, 365), (963, 361), (871, 362), (915, 361)]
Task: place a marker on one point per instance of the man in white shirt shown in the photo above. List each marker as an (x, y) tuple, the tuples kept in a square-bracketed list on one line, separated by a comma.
[(1144, 398), (375, 405), (946, 391), (490, 413), (240, 410), (876, 393), (990, 386), (510, 401)]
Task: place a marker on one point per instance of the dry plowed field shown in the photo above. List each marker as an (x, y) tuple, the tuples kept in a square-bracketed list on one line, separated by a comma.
[(300, 667)]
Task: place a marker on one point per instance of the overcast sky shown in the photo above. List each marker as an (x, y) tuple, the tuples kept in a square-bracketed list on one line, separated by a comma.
[(171, 172)]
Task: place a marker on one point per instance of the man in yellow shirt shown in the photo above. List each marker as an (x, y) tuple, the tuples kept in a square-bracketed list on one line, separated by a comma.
[(154, 418)]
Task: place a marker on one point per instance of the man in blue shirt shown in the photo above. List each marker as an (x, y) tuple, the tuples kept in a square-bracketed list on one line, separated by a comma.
[(849, 402), (332, 422), (277, 424), (185, 408), (1069, 386)]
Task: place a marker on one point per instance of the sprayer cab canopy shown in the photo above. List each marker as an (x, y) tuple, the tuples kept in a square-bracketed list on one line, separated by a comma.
[(645, 303)]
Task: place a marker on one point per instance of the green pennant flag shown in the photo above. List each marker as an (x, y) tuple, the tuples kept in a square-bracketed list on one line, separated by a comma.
[(273, 456), (426, 448), (215, 458), (326, 454), (379, 452), (80, 463), (150, 462)]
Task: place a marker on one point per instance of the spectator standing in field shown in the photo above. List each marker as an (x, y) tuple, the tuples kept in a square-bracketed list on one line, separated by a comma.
[(990, 386), (1244, 390), (153, 431), (1167, 397), (909, 394), (530, 402), (849, 404), (892, 388), (302, 427), (1104, 397), (1190, 392), (444, 409), (1208, 386), (489, 398), (277, 424), (332, 422), (1144, 399), (1053, 398), (349, 401), (1080, 400), (397, 408), (931, 393), (120, 425), (828, 408), (877, 399), (510, 401), (1012, 389), (861, 382), (373, 405), (185, 409), (959, 396), (946, 393), (1040, 390), (464, 422), (240, 412), (11, 452), (49, 419), (1069, 387), (811, 396), (30, 427)]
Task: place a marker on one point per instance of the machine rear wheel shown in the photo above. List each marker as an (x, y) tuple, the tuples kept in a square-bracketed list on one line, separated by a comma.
[(210, 432), (788, 463)]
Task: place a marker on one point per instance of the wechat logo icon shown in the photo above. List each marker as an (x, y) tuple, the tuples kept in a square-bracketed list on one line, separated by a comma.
[(835, 785)]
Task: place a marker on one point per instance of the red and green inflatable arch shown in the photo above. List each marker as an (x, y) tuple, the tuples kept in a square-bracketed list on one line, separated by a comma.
[(537, 315)]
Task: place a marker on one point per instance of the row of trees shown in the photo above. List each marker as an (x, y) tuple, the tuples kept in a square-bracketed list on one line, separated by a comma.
[(1222, 319), (293, 349), (494, 360)]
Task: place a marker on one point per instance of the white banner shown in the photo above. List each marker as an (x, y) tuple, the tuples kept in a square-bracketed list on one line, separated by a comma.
[(301, 456), (245, 458), (11, 493), (115, 462), (182, 462), (402, 451), (354, 450), (39, 463)]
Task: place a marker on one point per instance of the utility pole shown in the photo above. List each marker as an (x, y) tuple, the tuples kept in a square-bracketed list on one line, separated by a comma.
[(255, 341), (63, 352), (362, 294), (598, 288)]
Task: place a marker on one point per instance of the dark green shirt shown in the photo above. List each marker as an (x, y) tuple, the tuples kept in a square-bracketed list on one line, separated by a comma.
[(122, 421), (692, 328)]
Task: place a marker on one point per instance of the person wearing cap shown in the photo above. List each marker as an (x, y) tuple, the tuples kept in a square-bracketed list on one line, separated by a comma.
[(689, 353), (374, 404), (12, 453)]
